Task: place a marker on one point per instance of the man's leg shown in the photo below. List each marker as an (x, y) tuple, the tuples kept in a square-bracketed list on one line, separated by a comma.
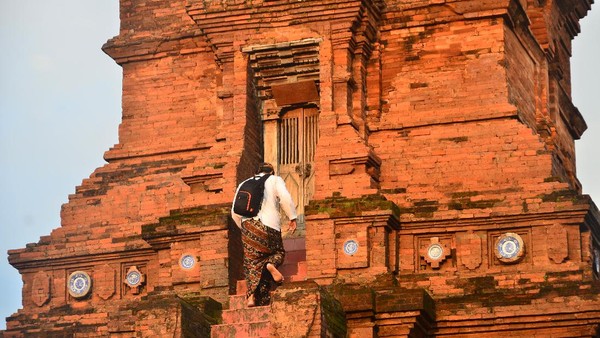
[(253, 257), (277, 256), (270, 273)]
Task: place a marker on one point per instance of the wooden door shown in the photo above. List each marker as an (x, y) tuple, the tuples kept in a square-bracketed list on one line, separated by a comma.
[(298, 136)]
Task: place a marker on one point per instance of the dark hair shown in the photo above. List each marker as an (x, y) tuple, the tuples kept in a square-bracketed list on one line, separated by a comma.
[(265, 168)]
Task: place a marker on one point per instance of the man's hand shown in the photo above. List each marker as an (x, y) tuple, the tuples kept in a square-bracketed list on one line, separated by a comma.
[(292, 226)]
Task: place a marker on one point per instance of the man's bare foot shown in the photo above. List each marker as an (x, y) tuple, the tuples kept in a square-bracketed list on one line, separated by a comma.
[(277, 276), (250, 301)]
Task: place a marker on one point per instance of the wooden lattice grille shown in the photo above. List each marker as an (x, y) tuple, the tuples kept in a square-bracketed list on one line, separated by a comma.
[(299, 134)]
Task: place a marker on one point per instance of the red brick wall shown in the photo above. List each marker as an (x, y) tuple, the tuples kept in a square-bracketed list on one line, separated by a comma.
[(443, 73), (439, 123)]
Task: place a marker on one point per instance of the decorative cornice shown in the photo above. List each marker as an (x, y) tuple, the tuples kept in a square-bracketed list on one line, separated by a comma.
[(124, 49), (575, 216), (227, 16), (219, 21), (81, 260), (283, 63)]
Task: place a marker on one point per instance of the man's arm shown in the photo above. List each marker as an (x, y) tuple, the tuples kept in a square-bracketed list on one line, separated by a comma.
[(292, 226), (236, 218), (285, 199), (287, 203)]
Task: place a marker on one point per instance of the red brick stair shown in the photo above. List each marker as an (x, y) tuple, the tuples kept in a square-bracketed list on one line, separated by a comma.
[(242, 330), (240, 321), (294, 265)]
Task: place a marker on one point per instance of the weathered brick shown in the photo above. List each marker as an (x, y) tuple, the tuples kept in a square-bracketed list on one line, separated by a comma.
[(439, 124)]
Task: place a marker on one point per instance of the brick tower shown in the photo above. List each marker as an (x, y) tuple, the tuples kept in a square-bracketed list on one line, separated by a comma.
[(429, 146)]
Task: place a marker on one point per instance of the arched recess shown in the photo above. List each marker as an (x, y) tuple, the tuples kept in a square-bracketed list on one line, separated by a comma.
[(298, 135), (290, 142), (285, 77)]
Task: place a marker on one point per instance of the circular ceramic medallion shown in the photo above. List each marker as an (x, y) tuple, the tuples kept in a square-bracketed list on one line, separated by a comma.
[(79, 284), (435, 251), (134, 278), (187, 261), (597, 261), (350, 247), (509, 247)]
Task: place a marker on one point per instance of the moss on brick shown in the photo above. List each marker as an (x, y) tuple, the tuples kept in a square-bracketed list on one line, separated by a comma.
[(353, 297), (477, 285), (204, 304), (337, 206), (217, 165), (560, 196), (483, 290), (388, 300), (334, 317), (394, 191), (422, 208), (466, 203), (197, 217), (463, 194)]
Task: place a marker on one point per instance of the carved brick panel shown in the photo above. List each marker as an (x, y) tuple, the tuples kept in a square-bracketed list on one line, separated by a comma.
[(40, 288), (106, 281), (468, 250), (558, 244), (133, 279), (435, 253)]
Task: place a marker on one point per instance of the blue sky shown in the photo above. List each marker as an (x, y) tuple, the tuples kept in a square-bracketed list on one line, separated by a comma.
[(60, 106)]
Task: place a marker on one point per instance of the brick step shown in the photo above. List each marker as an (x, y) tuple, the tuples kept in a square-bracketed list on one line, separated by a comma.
[(290, 265), (247, 315), (300, 274), (242, 330), (294, 265), (237, 302), (242, 321), (290, 275), (241, 287)]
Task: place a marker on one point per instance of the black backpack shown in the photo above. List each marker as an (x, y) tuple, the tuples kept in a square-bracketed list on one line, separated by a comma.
[(248, 199)]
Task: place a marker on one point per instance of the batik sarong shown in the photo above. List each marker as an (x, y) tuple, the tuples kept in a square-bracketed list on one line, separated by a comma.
[(262, 245)]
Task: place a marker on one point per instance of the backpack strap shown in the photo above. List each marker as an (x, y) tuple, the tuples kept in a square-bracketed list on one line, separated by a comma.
[(262, 178)]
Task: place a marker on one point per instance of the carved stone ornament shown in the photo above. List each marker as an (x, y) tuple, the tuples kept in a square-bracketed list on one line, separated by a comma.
[(435, 253), (40, 288), (79, 284), (509, 248), (134, 279)]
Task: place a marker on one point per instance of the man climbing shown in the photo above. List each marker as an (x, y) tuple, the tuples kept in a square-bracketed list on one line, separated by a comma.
[(261, 235)]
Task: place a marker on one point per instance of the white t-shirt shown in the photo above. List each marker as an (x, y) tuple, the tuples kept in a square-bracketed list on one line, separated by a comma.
[(276, 195)]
